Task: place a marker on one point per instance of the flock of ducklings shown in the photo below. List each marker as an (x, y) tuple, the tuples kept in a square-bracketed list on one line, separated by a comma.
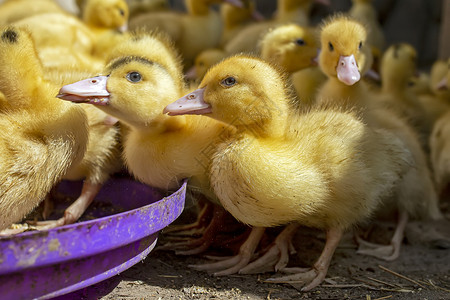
[(266, 127)]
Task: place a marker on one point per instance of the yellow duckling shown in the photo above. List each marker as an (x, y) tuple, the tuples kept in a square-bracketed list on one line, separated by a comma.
[(281, 168), (235, 18), (15, 10), (138, 7), (398, 66), (295, 49), (63, 40), (288, 11), (439, 142), (342, 39), (437, 102), (105, 15), (198, 29), (41, 137), (203, 62), (141, 77), (365, 12)]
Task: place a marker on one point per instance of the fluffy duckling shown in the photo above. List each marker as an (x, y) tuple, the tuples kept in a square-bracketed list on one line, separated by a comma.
[(138, 7), (142, 76), (15, 10), (365, 12), (41, 138), (281, 168), (105, 15), (203, 62), (439, 142), (62, 40), (295, 49), (398, 66), (288, 11), (437, 102), (342, 39), (235, 18), (198, 29)]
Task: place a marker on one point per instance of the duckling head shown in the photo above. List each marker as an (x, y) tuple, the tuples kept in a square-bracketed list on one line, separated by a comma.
[(21, 69), (291, 46), (111, 14), (203, 62), (398, 64), (232, 14), (142, 76), (342, 41), (242, 91)]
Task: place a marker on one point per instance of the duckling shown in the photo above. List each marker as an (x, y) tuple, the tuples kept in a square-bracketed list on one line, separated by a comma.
[(295, 49), (437, 102), (235, 18), (198, 29), (365, 12), (15, 10), (42, 138), (105, 15), (273, 171), (342, 39), (62, 40), (288, 11), (203, 62), (138, 7), (398, 66), (141, 77), (439, 144)]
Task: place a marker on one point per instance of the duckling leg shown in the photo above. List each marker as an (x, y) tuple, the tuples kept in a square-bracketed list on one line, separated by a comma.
[(277, 257), (386, 252), (198, 227), (314, 276), (76, 209), (233, 264), (201, 244)]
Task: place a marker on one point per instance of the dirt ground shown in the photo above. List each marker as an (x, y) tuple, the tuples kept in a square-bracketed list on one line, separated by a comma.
[(421, 272)]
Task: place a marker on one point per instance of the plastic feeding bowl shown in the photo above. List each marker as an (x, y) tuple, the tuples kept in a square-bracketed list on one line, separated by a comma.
[(50, 263)]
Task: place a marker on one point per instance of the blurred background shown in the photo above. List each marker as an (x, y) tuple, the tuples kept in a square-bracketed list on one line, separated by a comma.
[(421, 23)]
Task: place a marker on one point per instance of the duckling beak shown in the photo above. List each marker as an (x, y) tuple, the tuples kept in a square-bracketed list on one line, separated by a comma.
[(347, 70), (92, 90), (191, 104), (442, 85), (123, 28)]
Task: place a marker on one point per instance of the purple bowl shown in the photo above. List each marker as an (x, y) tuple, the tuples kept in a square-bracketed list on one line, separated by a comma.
[(49, 263)]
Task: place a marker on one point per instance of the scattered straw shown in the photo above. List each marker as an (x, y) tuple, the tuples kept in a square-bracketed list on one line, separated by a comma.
[(385, 297), (385, 283), (400, 275)]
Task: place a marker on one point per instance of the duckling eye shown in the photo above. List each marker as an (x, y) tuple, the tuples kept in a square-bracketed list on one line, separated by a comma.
[(330, 46), (228, 82), (134, 77), (300, 42), (360, 45), (122, 12)]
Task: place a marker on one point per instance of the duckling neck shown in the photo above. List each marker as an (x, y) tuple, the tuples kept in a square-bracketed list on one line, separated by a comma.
[(393, 84), (275, 127), (162, 124), (197, 7)]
